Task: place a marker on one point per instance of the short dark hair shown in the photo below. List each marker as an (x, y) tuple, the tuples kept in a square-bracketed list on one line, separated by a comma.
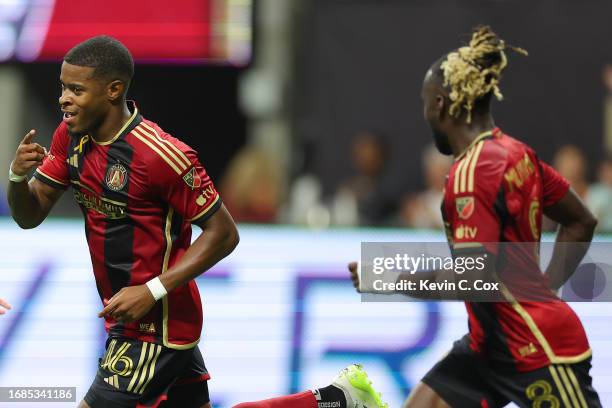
[(107, 55)]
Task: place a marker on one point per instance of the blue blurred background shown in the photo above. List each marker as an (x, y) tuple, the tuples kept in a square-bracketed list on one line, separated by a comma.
[(307, 115)]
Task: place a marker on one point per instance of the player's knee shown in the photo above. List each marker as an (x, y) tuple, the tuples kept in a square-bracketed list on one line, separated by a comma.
[(207, 405), (83, 404), (422, 396)]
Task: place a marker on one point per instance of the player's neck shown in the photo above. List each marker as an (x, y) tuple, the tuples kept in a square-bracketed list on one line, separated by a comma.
[(113, 122), (463, 135)]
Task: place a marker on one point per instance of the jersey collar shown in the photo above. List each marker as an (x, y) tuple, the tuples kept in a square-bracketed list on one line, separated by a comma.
[(482, 136), (131, 123)]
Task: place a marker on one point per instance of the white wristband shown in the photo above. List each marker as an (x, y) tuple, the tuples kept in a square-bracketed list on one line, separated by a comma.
[(15, 177), (157, 288)]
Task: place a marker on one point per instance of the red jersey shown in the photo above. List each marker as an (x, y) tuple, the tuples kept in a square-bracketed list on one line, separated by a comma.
[(495, 193), (139, 194)]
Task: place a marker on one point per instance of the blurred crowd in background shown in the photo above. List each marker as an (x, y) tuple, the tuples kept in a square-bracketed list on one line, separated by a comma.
[(251, 189), (323, 128)]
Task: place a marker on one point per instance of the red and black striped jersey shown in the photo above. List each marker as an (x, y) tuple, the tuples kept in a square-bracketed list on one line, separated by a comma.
[(494, 198), (139, 194)]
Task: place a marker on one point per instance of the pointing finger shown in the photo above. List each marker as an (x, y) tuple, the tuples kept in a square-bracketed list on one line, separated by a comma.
[(28, 137), (107, 310)]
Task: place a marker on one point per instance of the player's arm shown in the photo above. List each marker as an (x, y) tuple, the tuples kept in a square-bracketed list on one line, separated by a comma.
[(576, 227), (218, 239), (30, 202)]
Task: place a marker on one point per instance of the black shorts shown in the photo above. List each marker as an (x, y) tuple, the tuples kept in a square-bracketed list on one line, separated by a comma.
[(464, 380), (136, 374)]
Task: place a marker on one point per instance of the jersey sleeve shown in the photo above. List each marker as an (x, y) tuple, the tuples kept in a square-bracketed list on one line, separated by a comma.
[(183, 183), (475, 223), (555, 186), (54, 170)]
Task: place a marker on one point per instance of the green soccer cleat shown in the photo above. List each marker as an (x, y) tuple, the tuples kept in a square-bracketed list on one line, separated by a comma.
[(357, 387)]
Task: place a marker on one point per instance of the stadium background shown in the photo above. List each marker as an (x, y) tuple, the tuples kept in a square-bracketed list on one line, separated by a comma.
[(308, 117)]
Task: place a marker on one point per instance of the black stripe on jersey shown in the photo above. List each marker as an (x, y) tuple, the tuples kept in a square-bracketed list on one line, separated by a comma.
[(496, 346), (502, 211), (119, 233), (176, 225), (485, 312)]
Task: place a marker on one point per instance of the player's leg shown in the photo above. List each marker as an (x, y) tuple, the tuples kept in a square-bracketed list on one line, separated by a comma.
[(302, 400), (350, 388), (456, 381), (422, 396), (191, 387)]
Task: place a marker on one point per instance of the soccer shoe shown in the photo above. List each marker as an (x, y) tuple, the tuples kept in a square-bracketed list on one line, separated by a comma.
[(357, 387)]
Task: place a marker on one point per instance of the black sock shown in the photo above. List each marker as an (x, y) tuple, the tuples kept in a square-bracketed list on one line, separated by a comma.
[(330, 397)]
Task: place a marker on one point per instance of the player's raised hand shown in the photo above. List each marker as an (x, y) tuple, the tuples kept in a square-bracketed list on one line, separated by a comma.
[(29, 155), (4, 306), (129, 304)]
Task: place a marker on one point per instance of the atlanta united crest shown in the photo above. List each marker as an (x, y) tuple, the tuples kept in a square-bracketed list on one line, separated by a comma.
[(116, 177)]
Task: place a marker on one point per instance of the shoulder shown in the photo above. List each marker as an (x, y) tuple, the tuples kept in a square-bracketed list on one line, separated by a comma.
[(61, 133), (480, 167), (159, 150)]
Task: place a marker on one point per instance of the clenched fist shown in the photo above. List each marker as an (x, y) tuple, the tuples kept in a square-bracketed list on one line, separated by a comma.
[(353, 268), (29, 155)]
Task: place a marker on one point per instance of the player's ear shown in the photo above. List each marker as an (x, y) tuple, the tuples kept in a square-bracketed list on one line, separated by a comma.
[(115, 90), (440, 103)]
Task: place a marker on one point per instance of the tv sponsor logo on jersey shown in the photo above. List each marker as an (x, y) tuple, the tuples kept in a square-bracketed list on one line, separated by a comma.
[(465, 232), (207, 194)]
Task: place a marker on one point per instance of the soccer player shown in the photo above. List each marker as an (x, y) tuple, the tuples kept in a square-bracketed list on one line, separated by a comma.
[(532, 353), (139, 190), (4, 306)]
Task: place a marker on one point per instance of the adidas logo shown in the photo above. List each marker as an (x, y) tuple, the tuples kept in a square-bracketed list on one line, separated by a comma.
[(114, 381)]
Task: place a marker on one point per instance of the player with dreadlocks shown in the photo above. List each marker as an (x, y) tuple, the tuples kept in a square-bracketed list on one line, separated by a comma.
[(518, 349)]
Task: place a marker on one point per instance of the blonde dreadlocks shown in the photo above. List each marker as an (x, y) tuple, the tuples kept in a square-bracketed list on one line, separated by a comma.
[(474, 71)]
